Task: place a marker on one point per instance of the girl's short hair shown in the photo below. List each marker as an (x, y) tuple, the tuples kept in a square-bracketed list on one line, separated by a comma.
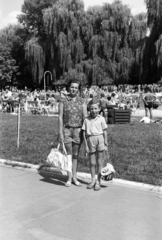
[(93, 101)]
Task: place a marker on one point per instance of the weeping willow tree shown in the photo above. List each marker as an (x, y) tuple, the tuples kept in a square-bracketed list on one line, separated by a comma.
[(110, 42), (36, 57), (102, 45), (138, 39), (152, 58), (64, 43)]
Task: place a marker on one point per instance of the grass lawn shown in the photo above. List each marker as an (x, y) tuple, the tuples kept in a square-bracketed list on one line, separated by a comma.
[(135, 149)]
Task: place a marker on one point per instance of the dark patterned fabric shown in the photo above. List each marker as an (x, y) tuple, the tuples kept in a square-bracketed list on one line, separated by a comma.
[(72, 111)]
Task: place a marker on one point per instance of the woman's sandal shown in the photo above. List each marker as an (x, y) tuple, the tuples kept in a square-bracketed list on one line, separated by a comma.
[(76, 183), (68, 184), (91, 185)]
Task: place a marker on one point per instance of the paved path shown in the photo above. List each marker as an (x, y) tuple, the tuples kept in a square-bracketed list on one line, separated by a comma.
[(157, 113), (33, 208)]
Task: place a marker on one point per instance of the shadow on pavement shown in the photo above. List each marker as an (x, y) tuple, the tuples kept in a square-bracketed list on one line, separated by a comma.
[(57, 179), (53, 181)]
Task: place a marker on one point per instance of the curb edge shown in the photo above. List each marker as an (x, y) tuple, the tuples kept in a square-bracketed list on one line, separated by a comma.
[(32, 167)]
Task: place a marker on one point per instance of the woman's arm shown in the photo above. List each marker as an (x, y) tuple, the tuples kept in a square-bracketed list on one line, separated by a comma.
[(84, 110), (60, 122)]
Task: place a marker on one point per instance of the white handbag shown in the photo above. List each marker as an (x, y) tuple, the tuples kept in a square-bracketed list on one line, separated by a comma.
[(60, 160)]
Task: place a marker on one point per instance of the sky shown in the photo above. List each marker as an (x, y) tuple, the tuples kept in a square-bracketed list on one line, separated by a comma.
[(9, 9)]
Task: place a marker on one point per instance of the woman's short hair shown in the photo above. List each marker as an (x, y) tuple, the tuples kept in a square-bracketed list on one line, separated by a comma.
[(74, 81)]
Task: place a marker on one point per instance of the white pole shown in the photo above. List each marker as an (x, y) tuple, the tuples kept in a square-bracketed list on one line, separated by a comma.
[(45, 79), (18, 127), (44, 82)]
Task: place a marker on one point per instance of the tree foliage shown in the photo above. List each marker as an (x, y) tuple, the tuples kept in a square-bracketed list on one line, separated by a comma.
[(13, 67), (97, 44), (103, 45), (8, 66), (32, 14), (152, 57)]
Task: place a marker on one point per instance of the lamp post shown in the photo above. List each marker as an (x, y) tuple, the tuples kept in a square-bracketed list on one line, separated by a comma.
[(45, 79)]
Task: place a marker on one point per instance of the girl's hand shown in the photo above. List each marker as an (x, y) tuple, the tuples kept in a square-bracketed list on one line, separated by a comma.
[(87, 150), (106, 146)]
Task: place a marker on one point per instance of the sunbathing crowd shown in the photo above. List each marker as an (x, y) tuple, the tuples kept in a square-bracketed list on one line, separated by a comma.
[(123, 96)]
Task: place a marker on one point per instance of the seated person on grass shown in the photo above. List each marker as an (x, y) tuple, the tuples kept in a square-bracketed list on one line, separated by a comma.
[(110, 102)]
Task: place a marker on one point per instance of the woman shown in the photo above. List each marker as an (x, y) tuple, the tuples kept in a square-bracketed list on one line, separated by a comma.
[(72, 111), (148, 100)]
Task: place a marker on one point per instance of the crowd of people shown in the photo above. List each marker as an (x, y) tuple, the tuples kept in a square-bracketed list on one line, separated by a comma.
[(123, 96)]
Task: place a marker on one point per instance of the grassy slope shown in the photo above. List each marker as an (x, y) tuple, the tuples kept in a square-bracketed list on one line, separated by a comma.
[(135, 149)]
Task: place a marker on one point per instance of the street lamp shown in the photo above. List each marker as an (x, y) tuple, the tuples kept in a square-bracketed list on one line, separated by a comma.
[(45, 79)]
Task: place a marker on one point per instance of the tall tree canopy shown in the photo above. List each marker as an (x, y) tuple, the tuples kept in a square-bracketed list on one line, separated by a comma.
[(32, 17), (13, 67), (152, 58), (102, 45)]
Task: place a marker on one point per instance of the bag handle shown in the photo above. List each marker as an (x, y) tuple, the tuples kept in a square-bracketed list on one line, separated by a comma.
[(63, 146)]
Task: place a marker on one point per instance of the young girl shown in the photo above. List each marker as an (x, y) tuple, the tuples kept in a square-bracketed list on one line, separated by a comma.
[(95, 138)]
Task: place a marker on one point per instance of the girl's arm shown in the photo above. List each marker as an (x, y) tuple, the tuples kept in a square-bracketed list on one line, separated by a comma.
[(60, 122), (85, 141), (105, 136)]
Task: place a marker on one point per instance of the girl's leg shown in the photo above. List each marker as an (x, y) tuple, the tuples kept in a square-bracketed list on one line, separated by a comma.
[(93, 165), (68, 147), (99, 164)]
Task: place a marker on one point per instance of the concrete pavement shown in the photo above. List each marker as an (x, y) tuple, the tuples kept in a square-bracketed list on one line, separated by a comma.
[(36, 208)]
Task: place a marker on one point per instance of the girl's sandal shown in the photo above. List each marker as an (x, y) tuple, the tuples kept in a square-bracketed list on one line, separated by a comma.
[(91, 185), (68, 184), (97, 186)]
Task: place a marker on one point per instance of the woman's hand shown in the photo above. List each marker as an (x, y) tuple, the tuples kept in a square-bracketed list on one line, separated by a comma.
[(61, 137)]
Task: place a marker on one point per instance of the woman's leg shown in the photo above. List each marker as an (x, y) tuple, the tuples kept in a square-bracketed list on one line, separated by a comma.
[(75, 152), (68, 147)]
